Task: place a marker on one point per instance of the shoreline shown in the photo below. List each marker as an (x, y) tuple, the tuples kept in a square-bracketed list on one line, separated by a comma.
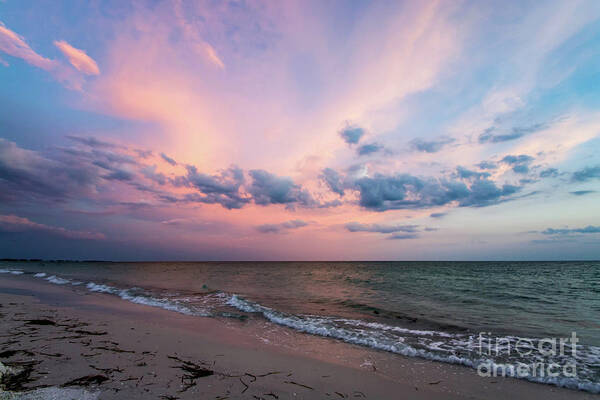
[(146, 352)]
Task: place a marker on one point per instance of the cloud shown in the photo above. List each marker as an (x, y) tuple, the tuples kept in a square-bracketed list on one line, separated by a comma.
[(14, 45), (514, 160), (352, 134), (487, 165), (586, 174), (267, 188), (582, 192), (369, 148), (27, 175), (282, 227), (464, 173), (430, 146), (168, 159), (223, 189), (91, 141), (212, 56), (151, 173), (379, 228), (549, 173), (404, 191), (73, 173), (520, 163), (438, 215), (333, 180), (587, 229), (403, 236), (200, 46), (119, 175), (78, 58), (488, 136), (13, 223)]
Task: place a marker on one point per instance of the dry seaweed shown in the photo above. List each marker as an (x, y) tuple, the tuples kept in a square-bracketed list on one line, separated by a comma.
[(87, 380)]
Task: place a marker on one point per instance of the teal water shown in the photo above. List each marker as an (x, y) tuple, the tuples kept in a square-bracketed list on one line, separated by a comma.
[(433, 310)]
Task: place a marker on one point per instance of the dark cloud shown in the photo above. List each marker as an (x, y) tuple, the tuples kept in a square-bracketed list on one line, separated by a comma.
[(521, 169), (549, 173), (75, 174), (92, 142), (119, 175), (520, 163), (282, 227), (267, 188), (403, 236), (582, 192), (587, 229), (487, 165), (144, 153), (223, 189), (438, 215), (13, 223), (27, 175), (150, 173), (516, 160), (526, 181), (381, 192), (333, 180), (379, 228), (489, 135), (352, 134), (430, 146), (369, 148), (168, 159), (464, 173), (587, 174)]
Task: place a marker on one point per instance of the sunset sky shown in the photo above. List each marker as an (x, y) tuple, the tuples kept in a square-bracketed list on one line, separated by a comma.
[(282, 130)]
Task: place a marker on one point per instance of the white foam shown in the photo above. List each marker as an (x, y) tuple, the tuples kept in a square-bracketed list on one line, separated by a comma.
[(384, 337), (129, 295), (93, 287), (445, 347), (10, 271), (56, 280)]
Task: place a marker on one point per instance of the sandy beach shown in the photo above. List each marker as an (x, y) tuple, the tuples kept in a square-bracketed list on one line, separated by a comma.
[(64, 344)]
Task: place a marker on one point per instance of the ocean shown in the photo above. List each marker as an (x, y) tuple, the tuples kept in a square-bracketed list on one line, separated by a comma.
[(478, 314)]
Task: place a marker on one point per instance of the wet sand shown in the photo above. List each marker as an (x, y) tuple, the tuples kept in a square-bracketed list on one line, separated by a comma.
[(99, 346)]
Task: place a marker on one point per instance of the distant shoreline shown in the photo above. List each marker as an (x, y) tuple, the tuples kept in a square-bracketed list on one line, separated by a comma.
[(286, 261)]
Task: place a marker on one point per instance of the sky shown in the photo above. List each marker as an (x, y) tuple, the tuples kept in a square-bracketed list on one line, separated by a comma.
[(300, 130)]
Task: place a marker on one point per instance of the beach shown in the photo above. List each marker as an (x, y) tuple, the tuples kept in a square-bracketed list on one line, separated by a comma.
[(103, 347)]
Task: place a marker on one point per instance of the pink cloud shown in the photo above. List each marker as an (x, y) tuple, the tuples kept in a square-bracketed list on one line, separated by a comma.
[(13, 223), (78, 58), (201, 47), (212, 56), (14, 45)]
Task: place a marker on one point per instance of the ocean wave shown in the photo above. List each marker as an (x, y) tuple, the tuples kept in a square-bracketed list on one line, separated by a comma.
[(56, 280), (453, 348), (448, 347), (131, 296), (11, 271)]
